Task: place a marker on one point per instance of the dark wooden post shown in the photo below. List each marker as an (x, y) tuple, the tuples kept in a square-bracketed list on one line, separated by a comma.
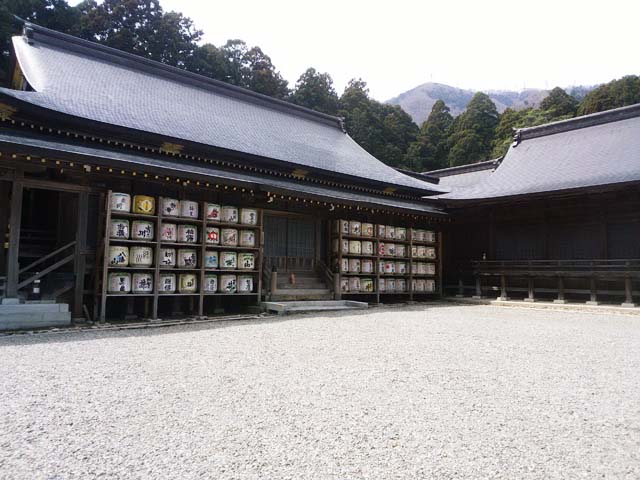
[(593, 293), (460, 293), (5, 199), (530, 296), (478, 288), (560, 298), (503, 288), (15, 219), (80, 255), (628, 293)]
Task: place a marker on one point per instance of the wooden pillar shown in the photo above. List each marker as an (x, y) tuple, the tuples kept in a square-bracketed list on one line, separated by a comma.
[(5, 199), (628, 293), (593, 298), (560, 298), (530, 296), (15, 219), (478, 288), (460, 293), (503, 288), (80, 255)]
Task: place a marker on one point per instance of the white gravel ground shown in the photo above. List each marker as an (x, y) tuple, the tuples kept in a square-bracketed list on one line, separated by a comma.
[(412, 392)]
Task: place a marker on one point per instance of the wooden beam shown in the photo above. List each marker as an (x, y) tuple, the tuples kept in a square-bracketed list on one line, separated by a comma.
[(5, 199), (15, 220), (80, 254)]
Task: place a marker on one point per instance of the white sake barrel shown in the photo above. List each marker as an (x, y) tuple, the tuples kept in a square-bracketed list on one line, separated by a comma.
[(187, 258), (420, 285), (229, 260), (422, 251), (401, 233), (118, 256), (401, 285), (414, 234), (430, 286), (188, 209), (168, 232), (210, 283), (229, 214), (249, 216), (389, 267), (366, 266), (367, 229), (247, 238), (228, 283), (246, 261), (167, 283), (413, 285), (381, 231), (119, 229), (355, 228), (382, 285), (391, 232), (401, 250), (142, 283), (430, 268), (367, 285), (367, 248), (380, 267), (390, 249), (344, 227), (414, 268), (430, 252), (187, 234), (168, 257), (421, 236), (142, 230), (170, 207), (141, 256), (213, 235), (345, 246), (188, 283), (229, 237), (119, 282), (422, 268), (211, 259), (429, 236), (120, 202), (391, 284), (245, 283), (144, 205), (414, 251), (213, 212), (344, 266), (354, 284), (355, 247), (344, 285), (382, 248), (401, 268), (354, 265)]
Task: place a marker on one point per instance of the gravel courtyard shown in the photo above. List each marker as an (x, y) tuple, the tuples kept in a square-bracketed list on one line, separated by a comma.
[(413, 392)]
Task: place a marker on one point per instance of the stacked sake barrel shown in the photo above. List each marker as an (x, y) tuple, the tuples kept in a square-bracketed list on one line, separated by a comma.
[(423, 255), (355, 244)]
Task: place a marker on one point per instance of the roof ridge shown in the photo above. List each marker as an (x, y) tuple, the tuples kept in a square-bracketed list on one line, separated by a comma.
[(47, 35), (471, 167), (584, 121)]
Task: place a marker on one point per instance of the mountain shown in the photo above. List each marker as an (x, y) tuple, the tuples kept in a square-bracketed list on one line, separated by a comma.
[(418, 101)]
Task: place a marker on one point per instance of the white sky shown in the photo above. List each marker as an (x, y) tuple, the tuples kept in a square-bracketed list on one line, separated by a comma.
[(397, 45)]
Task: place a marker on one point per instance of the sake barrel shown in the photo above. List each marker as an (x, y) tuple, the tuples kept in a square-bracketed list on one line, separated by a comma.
[(354, 265), (355, 247), (380, 267), (430, 268), (413, 285), (381, 231), (168, 232), (382, 248), (401, 250), (366, 266), (170, 208), (141, 256), (391, 284), (430, 252), (382, 285), (210, 284), (345, 246), (211, 259), (401, 285), (344, 227), (344, 265), (414, 268), (167, 283), (390, 249), (213, 212), (187, 234), (229, 214), (366, 284), (168, 257), (401, 233), (429, 236), (430, 286), (142, 283), (188, 283), (422, 251), (229, 260), (355, 228), (119, 282), (119, 229), (422, 236), (389, 267), (118, 256), (414, 234), (420, 285), (142, 230), (367, 229), (246, 261), (245, 283), (187, 258), (228, 283), (401, 268), (414, 251), (229, 237), (212, 235), (120, 202), (144, 205), (422, 268), (344, 285), (188, 209), (367, 248), (249, 216), (391, 232), (354, 284), (247, 238)]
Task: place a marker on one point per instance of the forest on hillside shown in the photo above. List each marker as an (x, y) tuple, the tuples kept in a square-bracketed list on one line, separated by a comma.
[(386, 131)]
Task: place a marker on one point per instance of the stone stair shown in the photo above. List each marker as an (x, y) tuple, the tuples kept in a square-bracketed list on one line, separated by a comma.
[(32, 315), (308, 286), (284, 308)]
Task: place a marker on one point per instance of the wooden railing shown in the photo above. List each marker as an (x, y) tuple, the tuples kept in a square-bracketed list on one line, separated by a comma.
[(29, 269), (325, 273)]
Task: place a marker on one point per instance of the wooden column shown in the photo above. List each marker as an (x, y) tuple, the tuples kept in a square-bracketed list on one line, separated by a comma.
[(628, 293), (15, 219), (478, 288), (5, 199), (503, 288), (560, 298), (593, 298), (80, 255), (530, 297), (460, 293)]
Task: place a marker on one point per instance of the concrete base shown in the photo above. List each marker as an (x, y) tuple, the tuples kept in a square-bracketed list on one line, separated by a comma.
[(10, 301), (283, 308), (560, 302), (502, 299), (459, 296), (478, 297), (628, 305), (592, 303), (530, 300), (34, 315)]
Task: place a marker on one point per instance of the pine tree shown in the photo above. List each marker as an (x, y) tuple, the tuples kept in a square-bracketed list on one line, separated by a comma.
[(430, 150), (473, 133), (315, 90)]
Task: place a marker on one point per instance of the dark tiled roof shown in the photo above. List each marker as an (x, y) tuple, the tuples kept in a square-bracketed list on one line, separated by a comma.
[(465, 175), (89, 81), (596, 150), (17, 142)]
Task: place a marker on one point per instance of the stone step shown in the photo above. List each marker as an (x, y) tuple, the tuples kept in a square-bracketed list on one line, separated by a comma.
[(45, 307), (284, 307), (33, 320)]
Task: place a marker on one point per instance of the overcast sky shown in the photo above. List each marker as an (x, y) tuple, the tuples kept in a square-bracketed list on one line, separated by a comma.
[(397, 45)]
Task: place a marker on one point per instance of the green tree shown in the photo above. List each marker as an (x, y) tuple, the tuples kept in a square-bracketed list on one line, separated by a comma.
[(473, 133), (559, 103), (430, 149), (315, 90), (262, 75), (617, 93), (208, 60)]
